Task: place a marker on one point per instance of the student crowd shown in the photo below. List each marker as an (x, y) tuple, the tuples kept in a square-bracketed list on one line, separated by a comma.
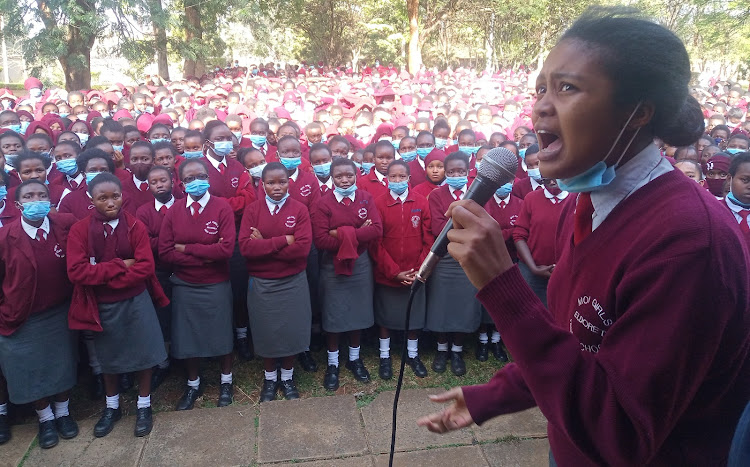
[(279, 203)]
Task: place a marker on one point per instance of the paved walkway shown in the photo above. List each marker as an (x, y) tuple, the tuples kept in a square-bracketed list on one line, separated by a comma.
[(320, 431)]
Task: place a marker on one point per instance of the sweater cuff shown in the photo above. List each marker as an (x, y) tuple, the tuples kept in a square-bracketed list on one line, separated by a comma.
[(508, 298), (478, 399), (279, 243)]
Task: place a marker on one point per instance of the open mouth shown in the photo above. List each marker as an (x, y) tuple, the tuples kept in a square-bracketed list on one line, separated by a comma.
[(548, 141)]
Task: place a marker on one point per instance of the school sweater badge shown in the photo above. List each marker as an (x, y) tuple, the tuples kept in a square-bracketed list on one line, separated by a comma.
[(415, 221), (235, 182), (362, 213), (59, 252), (212, 228), (291, 221), (305, 190)]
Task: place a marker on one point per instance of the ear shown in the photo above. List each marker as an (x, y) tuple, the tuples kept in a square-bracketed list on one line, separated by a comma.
[(643, 115), (18, 205)]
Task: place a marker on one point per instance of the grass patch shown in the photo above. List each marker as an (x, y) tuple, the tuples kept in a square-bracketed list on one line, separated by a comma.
[(34, 444)]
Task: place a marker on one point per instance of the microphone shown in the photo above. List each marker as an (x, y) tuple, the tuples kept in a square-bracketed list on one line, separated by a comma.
[(498, 167)]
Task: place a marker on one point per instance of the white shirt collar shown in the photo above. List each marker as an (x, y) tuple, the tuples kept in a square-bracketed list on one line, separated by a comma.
[(328, 183), (216, 163), (294, 176), (3, 204), (138, 182), (158, 204), (454, 190), (534, 184), (114, 223), (79, 179), (380, 176), (421, 161), (499, 199), (201, 202), (31, 230), (560, 197), (402, 196), (272, 207), (340, 197)]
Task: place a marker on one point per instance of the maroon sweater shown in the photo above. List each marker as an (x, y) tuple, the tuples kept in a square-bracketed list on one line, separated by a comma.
[(330, 214), (304, 189), (234, 185), (506, 214), (642, 358), (134, 193), (272, 257), (522, 187), (152, 219), (372, 184), (209, 241), (417, 173), (537, 225)]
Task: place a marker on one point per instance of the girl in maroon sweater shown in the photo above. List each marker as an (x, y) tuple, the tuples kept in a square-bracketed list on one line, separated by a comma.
[(111, 265), (33, 166), (405, 243), (738, 199), (434, 171), (376, 182), (642, 357), (135, 179), (532, 179), (345, 223), (65, 154), (8, 210), (197, 238), (37, 350), (275, 237)]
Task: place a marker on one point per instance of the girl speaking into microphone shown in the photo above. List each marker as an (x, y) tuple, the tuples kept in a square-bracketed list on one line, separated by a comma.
[(641, 357)]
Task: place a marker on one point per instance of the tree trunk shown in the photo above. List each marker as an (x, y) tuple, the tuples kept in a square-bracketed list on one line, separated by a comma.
[(76, 63), (415, 54), (193, 35), (160, 34)]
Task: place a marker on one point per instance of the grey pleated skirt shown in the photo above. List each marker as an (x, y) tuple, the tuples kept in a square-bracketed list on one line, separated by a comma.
[(390, 307), (452, 305), (537, 284), (280, 315), (164, 314), (346, 300), (39, 359), (201, 319), (131, 338)]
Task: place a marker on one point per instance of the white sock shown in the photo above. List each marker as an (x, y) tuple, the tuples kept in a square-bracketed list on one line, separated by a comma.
[(353, 353), (240, 333), (164, 365), (144, 402), (333, 358), (495, 337), (385, 347), (88, 340), (286, 375), (457, 348), (61, 409), (442, 347), (483, 338), (113, 402), (45, 414), (4, 409), (226, 379), (412, 347), (195, 384), (271, 375)]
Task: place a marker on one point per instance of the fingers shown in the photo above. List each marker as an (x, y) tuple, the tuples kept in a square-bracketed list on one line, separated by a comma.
[(468, 205), (468, 214), (433, 422), (446, 396)]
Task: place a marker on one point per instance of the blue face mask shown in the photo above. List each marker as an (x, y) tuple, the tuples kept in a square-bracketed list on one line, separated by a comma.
[(159, 140), (3, 192), (257, 171), (118, 148), (82, 117), (734, 200), (67, 166), (599, 175), (149, 110), (222, 148), (396, 143), (24, 127), (734, 151), (504, 190), (273, 201), (477, 164), (35, 210), (423, 152), (456, 182), (258, 140), (192, 154), (534, 174), (357, 165), (522, 153), (345, 191), (238, 135), (323, 170), (16, 128), (441, 143), (398, 187), (90, 176), (290, 163), (367, 167), (64, 114), (470, 150), (84, 137), (409, 156), (197, 187)]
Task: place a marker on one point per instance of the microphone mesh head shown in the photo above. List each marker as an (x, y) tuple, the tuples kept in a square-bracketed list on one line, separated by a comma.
[(499, 165)]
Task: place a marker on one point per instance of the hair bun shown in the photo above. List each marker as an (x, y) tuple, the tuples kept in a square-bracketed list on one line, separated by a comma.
[(685, 126)]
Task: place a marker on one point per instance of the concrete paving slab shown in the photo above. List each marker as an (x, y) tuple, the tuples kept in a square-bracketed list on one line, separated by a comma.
[(412, 405), (523, 453), (199, 437), (364, 461), (310, 429), (13, 451), (527, 424), (448, 457)]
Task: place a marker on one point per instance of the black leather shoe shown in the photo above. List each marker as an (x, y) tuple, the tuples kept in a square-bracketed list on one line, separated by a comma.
[(226, 394), (144, 421), (97, 387), (441, 358), (4, 429), (331, 380), (107, 422), (289, 389), (416, 364), (458, 367), (268, 391), (357, 367), (307, 362), (385, 371), (48, 434), (243, 349), (126, 382), (158, 375), (483, 352), (67, 427), (187, 401), (498, 351)]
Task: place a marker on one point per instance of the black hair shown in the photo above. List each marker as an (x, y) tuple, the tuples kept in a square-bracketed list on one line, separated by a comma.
[(12, 134), (402, 128), (321, 147), (642, 72), (27, 183), (426, 133), (87, 155), (739, 136), (3, 178), (286, 138), (103, 177), (164, 145), (131, 128), (533, 149), (385, 144), (469, 132), (720, 127), (505, 138), (739, 159), (340, 139), (707, 138), (143, 144), (439, 123), (343, 161), (210, 126), (271, 166), (457, 156), (96, 141), (244, 152), (194, 134), (696, 164), (400, 162), (191, 162), (157, 168), (27, 155), (111, 126), (76, 147), (42, 136), (369, 148), (683, 149), (157, 126)]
